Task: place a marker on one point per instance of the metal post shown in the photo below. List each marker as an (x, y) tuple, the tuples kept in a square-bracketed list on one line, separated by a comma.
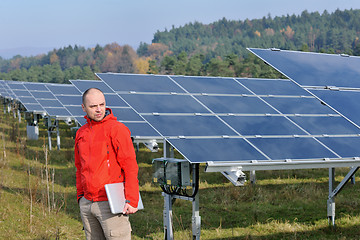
[(196, 219), (353, 178), (35, 119), (49, 132), (252, 177), (331, 200), (19, 115), (168, 224), (57, 134)]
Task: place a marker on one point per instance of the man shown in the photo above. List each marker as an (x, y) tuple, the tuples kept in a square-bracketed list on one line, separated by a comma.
[(104, 154)]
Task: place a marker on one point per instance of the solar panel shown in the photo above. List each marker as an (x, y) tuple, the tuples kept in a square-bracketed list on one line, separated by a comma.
[(333, 78), (70, 99), (139, 83), (46, 99), (83, 85), (314, 69), (272, 87), (20, 93), (227, 119)]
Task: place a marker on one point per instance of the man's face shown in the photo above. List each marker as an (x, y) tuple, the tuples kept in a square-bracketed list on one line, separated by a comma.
[(94, 105)]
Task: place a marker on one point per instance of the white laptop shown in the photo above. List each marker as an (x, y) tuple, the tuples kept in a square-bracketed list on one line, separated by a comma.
[(116, 196)]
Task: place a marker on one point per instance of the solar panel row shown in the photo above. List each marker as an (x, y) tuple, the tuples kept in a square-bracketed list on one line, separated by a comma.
[(231, 119)]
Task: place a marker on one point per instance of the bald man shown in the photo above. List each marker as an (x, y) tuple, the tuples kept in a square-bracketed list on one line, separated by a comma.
[(104, 154)]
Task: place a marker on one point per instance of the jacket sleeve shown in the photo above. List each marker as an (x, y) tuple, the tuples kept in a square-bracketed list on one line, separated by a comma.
[(126, 157), (79, 188)]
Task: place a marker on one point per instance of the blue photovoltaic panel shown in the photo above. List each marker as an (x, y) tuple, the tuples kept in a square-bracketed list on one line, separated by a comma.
[(50, 103), (9, 92), (141, 129), (58, 112), (210, 85), (22, 93), (292, 148), (43, 95), (190, 125), (126, 114), (346, 102), (83, 85), (16, 86), (35, 86), (62, 89), (28, 99), (326, 125), (34, 107), (81, 120), (272, 87), (298, 105), (164, 103), (314, 69), (139, 83), (263, 125), (236, 104), (70, 100), (345, 146), (113, 100), (76, 111), (221, 149)]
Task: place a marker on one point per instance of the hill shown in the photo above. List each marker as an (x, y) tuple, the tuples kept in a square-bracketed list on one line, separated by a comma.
[(336, 32)]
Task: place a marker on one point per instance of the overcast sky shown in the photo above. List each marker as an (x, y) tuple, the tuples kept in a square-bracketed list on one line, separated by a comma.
[(48, 24)]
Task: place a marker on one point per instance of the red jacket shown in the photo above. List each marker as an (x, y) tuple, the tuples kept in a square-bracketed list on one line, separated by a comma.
[(104, 153)]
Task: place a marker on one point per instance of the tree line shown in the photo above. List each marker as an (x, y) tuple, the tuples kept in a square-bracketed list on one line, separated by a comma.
[(216, 49)]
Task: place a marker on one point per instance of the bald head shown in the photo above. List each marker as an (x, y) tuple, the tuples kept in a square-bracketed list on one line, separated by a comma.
[(89, 91)]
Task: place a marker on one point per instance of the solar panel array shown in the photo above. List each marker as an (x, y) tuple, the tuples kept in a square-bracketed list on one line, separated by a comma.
[(232, 119)]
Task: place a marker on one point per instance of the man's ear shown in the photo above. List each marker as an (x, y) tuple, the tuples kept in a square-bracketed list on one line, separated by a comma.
[(83, 107)]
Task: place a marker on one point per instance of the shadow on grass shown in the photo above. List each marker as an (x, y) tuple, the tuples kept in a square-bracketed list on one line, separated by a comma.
[(324, 233)]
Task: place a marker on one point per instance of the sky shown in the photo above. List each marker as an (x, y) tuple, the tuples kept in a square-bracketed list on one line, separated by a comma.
[(38, 26)]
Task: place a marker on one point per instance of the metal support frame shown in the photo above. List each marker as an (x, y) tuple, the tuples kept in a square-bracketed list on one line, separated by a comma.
[(252, 177), (334, 191), (331, 164), (50, 128), (196, 218), (57, 134), (168, 225), (19, 115), (168, 200)]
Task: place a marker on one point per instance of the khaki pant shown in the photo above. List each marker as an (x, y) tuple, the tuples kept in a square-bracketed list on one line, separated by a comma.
[(100, 223)]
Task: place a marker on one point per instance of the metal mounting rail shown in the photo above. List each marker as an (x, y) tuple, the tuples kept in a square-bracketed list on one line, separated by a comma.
[(212, 166)]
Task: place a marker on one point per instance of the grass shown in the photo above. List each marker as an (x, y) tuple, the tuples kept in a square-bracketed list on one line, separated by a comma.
[(282, 205)]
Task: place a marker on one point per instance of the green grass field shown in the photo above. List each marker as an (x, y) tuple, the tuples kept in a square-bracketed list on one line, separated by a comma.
[(38, 198)]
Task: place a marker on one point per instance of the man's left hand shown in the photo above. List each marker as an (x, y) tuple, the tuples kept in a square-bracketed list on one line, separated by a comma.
[(128, 209)]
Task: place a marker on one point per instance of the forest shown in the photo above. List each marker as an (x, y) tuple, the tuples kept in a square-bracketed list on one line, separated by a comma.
[(216, 49)]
